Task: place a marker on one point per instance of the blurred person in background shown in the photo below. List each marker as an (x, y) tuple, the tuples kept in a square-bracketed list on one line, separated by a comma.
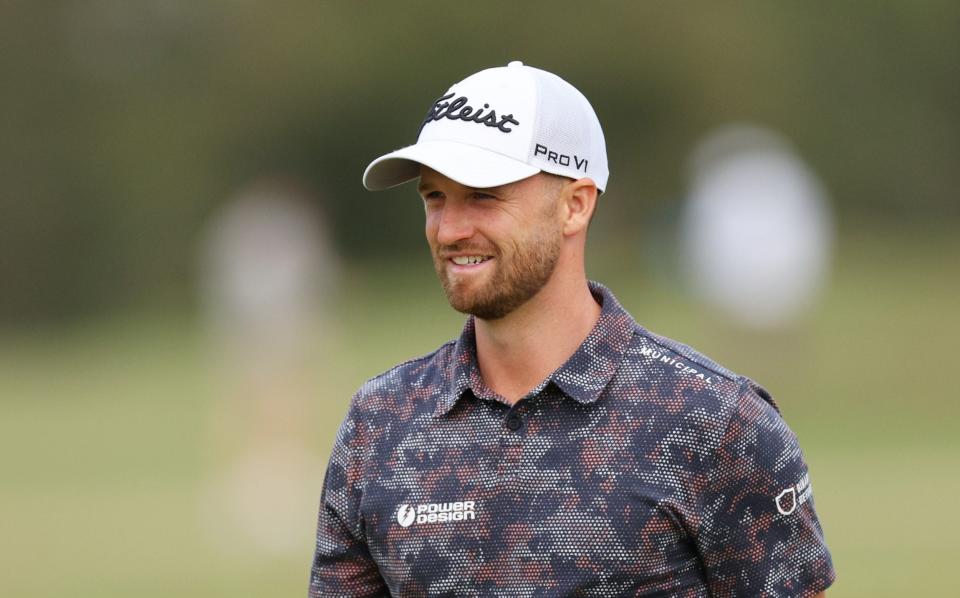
[(267, 267), (556, 446), (757, 228)]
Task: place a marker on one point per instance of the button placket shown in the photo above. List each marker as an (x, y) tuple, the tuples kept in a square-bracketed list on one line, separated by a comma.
[(511, 442)]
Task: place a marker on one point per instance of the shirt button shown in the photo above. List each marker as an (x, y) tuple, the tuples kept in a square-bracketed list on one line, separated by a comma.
[(514, 422)]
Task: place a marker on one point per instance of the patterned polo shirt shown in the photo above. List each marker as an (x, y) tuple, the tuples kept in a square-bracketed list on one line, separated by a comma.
[(639, 467)]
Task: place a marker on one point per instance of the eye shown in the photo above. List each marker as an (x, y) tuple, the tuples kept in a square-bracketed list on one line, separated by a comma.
[(482, 195), (432, 195)]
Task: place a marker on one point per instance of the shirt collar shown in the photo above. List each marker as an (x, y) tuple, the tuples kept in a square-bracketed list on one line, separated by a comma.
[(584, 375)]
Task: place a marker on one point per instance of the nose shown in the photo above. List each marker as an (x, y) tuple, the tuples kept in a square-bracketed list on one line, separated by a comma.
[(454, 223)]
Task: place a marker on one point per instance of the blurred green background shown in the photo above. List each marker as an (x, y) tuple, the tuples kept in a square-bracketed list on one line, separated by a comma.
[(128, 126)]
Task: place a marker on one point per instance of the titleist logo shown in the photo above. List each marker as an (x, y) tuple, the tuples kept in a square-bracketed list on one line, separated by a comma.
[(458, 109)]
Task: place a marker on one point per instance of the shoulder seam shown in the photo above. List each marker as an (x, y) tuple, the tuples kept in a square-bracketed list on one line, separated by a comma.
[(734, 407), (746, 384)]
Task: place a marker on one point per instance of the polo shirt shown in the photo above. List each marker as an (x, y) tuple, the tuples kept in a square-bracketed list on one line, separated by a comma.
[(639, 467)]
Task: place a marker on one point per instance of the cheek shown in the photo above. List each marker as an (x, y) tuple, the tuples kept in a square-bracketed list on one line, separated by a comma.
[(431, 225)]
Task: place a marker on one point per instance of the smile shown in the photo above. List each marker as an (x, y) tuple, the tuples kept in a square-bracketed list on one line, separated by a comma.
[(466, 260)]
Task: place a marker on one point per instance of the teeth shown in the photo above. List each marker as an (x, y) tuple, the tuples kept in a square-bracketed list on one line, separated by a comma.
[(463, 260)]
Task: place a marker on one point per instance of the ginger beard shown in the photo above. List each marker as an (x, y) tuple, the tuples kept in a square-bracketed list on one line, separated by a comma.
[(516, 277)]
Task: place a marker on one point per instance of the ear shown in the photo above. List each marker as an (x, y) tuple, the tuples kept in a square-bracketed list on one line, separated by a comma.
[(578, 200)]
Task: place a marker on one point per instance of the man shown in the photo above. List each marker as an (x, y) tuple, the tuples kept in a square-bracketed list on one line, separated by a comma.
[(557, 448)]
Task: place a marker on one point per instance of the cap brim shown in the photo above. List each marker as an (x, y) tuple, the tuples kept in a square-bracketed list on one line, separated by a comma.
[(466, 164)]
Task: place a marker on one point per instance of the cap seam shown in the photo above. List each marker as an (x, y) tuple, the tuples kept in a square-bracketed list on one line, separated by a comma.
[(538, 113)]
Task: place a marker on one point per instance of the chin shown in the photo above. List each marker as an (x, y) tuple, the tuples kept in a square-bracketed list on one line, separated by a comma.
[(461, 300), (467, 303), (482, 312), (464, 301)]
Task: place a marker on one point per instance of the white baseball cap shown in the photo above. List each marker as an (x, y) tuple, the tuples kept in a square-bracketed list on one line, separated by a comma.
[(498, 126)]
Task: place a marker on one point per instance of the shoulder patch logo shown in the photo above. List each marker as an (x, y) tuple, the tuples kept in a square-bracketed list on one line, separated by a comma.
[(794, 496)]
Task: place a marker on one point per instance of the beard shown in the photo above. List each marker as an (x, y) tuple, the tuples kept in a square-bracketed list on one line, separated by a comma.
[(514, 281)]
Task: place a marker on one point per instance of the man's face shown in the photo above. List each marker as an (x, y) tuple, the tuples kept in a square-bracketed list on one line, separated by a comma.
[(493, 249)]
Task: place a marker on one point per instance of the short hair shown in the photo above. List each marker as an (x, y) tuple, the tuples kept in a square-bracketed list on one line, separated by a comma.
[(559, 181)]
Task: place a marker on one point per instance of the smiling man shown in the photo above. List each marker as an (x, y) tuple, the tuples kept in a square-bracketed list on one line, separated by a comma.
[(556, 448)]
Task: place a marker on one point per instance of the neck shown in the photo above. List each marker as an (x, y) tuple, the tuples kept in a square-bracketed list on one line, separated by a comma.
[(516, 352)]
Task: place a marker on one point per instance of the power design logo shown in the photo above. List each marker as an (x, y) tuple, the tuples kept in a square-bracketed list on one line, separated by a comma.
[(441, 512), (406, 515)]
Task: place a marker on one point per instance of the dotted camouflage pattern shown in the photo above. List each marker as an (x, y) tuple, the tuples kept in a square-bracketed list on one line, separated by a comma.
[(638, 468)]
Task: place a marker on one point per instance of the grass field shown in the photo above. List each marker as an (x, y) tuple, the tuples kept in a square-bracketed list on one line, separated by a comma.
[(105, 446)]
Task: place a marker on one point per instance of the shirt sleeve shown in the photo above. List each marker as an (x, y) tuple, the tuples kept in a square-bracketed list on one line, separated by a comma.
[(758, 533), (342, 564)]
